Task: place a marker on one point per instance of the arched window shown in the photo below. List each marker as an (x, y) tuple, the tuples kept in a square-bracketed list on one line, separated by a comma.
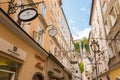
[(38, 76)]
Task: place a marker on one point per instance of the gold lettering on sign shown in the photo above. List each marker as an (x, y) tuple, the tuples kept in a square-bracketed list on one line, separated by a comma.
[(39, 65), (13, 53), (57, 70), (39, 58)]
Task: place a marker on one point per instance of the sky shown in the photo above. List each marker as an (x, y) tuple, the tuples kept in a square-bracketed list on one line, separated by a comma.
[(77, 13)]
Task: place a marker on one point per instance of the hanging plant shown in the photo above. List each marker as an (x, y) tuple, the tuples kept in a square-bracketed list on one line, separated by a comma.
[(81, 67), (50, 73)]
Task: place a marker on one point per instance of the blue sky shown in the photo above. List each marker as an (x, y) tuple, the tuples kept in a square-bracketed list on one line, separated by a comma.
[(77, 13)]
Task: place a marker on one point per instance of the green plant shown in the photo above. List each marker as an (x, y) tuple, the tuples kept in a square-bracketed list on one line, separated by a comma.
[(50, 73), (81, 67)]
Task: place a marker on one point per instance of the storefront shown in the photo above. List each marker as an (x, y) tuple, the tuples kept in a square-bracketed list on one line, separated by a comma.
[(8, 69), (21, 58), (55, 70), (11, 58)]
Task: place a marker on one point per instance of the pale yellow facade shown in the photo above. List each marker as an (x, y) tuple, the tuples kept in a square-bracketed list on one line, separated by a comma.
[(32, 37), (27, 66), (115, 73)]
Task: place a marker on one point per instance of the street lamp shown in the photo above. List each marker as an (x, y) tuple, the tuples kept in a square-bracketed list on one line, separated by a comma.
[(95, 48)]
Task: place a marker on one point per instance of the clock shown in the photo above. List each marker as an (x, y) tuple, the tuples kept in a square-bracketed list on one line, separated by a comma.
[(28, 14), (52, 32)]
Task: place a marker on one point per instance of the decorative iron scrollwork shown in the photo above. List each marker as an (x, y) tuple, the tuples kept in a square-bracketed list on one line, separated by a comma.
[(12, 7)]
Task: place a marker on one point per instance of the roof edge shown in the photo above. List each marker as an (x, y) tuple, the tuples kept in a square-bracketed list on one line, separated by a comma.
[(91, 12)]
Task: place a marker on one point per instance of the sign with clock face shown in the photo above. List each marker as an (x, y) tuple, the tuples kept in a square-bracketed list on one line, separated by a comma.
[(28, 14)]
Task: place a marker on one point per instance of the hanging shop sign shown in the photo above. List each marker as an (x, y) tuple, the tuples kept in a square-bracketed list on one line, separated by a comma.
[(28, 14), (57, 70), (12, 50), (52, 32)]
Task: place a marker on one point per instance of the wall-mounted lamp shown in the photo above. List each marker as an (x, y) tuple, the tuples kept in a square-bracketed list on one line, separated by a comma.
[(52, 31), (36, 34)]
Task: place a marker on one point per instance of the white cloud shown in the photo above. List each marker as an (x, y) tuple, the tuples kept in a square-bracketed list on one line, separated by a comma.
[(83, 9), (74, 28), (71, 21), (81, 34)]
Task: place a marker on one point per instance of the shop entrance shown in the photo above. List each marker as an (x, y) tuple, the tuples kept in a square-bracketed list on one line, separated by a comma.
[(6, 75), (38, 76), (8, 69)]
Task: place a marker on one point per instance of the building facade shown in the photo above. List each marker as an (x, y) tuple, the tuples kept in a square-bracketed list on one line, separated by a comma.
[(109, 21), (20, 55), (98, 34), (33, 29)]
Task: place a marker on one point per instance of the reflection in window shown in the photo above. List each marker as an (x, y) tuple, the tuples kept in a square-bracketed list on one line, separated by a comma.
[(108, 0), (51, 47), (43, 10), (8, 69), (40, 36), (51, 24), (104, 8), (113, 16)]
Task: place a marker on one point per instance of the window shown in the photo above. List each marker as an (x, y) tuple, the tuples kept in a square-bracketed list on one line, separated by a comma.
[(17, 12), (109, 0), (104, 8), (56, 52), (117, 40), (54, 17), (51, 47), (113, 16), (40, 36), (117, 6), (51, 24), (113, 48), (26, 26), (107, 28), (38, 76), (51, 8), (108, 22), (8, 69), (43, 10), (98, 20)]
